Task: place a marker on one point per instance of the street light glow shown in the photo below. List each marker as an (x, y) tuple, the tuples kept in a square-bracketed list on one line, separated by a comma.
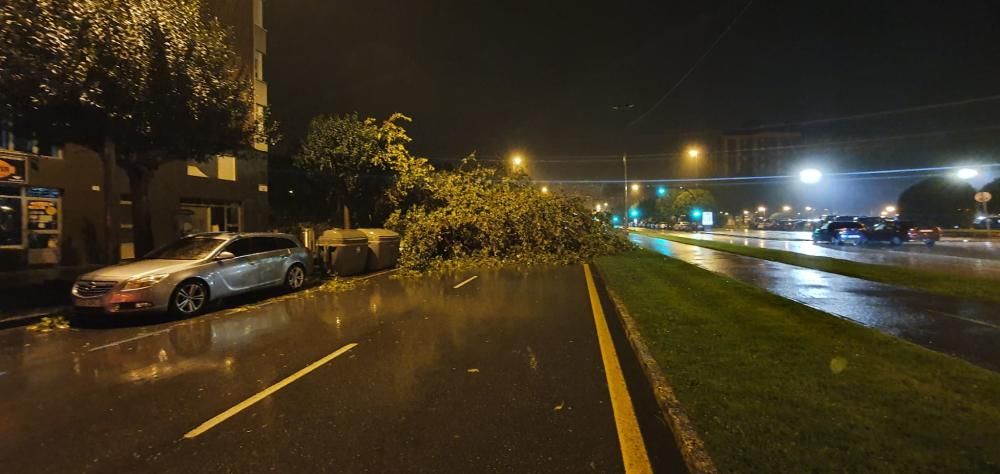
[(808, 208), (661, 191), (693, 152), (967, 173), (890, 209), (761, 209), (786, 208), (517, 160), (810, 176), (746, 212), (635, 187), (545, 189)]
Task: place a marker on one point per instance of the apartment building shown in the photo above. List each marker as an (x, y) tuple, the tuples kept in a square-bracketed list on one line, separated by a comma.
[(51, 201)]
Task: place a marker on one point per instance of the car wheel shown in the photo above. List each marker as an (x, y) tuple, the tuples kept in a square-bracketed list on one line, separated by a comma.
[(834, 240), (896, 241), (189, 298), (295, 278), (929, 243)]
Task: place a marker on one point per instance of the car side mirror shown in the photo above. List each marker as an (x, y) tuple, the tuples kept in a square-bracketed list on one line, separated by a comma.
[(225, 256)]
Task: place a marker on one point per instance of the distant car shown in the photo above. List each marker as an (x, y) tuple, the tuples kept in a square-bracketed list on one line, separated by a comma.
[(929, 235), (842, 218), (870, 221), (662, 225), (897, 232), (830, 231), (684, 226), (980, 222), (853, 235), (185, 275)]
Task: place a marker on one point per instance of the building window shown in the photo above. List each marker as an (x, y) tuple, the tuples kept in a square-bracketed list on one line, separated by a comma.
[(34, 146), (258, 13), (226, 167), (258, 65), (198, 217)]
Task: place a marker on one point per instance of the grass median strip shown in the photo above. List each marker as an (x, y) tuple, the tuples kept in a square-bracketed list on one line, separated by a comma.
[(775, 386), (930, 281)]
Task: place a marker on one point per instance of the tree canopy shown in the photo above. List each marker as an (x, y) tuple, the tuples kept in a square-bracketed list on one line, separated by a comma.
[(362, 164), (155, 80), (942, 201)]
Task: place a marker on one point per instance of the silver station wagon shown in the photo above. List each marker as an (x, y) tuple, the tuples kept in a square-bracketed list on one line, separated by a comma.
[(184, 276)]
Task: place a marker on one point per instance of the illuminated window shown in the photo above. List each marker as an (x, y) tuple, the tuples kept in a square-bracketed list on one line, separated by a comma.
[(258, 65), (226, 167)]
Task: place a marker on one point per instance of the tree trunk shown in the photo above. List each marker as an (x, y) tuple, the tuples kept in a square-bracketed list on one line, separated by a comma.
[(142, 222), (347, 217), (111, 203)]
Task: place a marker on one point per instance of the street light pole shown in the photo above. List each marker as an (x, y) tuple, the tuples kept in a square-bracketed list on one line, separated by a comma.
[(625, 166)]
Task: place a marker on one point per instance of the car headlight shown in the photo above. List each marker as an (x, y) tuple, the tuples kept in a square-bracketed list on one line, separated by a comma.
[(143, 282)]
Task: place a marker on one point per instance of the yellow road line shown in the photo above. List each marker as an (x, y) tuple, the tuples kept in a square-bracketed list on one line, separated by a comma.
[(264, 393), (473, 277), (629, 437)]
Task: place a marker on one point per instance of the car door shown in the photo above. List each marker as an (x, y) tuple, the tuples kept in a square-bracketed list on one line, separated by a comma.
[(271, 260), (240, 273)]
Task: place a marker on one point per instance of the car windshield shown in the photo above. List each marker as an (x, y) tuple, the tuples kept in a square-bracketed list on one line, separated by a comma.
[(189, 248)]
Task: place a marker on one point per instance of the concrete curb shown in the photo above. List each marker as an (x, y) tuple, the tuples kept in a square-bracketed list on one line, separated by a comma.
[(27, 319), (688, 441)]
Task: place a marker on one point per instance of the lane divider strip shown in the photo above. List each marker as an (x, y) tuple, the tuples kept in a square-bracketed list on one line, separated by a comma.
[(633, 448), (266, 392), (473, 277)]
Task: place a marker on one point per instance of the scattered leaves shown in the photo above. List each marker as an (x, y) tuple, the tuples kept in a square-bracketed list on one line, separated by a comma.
[(49, 324)]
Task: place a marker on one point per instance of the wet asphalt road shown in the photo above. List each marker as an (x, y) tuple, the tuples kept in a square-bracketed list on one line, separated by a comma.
[(964, 328), (501, 375), (977, 249), (910, 255)]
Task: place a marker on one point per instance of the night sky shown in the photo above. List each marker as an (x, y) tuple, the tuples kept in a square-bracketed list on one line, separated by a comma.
[(541, 77)]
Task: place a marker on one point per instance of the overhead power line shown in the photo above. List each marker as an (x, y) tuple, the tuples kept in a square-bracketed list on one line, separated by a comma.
[(693, 66)]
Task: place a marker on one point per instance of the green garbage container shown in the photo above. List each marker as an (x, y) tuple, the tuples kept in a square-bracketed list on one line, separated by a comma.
[(342, 251), (383, 248)]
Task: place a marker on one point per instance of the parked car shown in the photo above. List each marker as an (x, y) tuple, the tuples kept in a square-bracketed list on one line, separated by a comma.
[(830, 231), (684, 226), (184, 276), (892, 232), (980, 222)]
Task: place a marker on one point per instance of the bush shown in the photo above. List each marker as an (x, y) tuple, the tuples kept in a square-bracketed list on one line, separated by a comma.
[(475, 215)]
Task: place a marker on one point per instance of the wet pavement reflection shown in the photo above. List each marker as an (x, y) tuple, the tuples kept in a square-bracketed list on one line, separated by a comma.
[(949, 252), (501, 374), (964, 328), (910, 256)]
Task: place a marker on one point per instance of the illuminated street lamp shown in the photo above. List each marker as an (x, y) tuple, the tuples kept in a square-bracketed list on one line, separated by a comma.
[(810, 176), (635, 188), (517, 161), (761, 209), (693, 152), (746, 212), (545, 189), (967, 173), (890, 209), (808, 208), (661, 191), (786, 208)]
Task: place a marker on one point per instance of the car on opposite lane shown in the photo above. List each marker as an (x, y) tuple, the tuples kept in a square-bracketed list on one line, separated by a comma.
[(185, 275), (897, 232), (830, 231)]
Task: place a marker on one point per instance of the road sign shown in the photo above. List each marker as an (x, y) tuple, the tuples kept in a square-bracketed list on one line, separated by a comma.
[(983, 196)]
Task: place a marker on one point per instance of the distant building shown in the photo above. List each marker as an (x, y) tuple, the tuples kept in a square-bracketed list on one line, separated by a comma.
[(51, 203), (758, 152)]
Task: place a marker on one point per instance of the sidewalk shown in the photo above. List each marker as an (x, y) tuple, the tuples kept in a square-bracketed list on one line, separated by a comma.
[(33, 293)]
